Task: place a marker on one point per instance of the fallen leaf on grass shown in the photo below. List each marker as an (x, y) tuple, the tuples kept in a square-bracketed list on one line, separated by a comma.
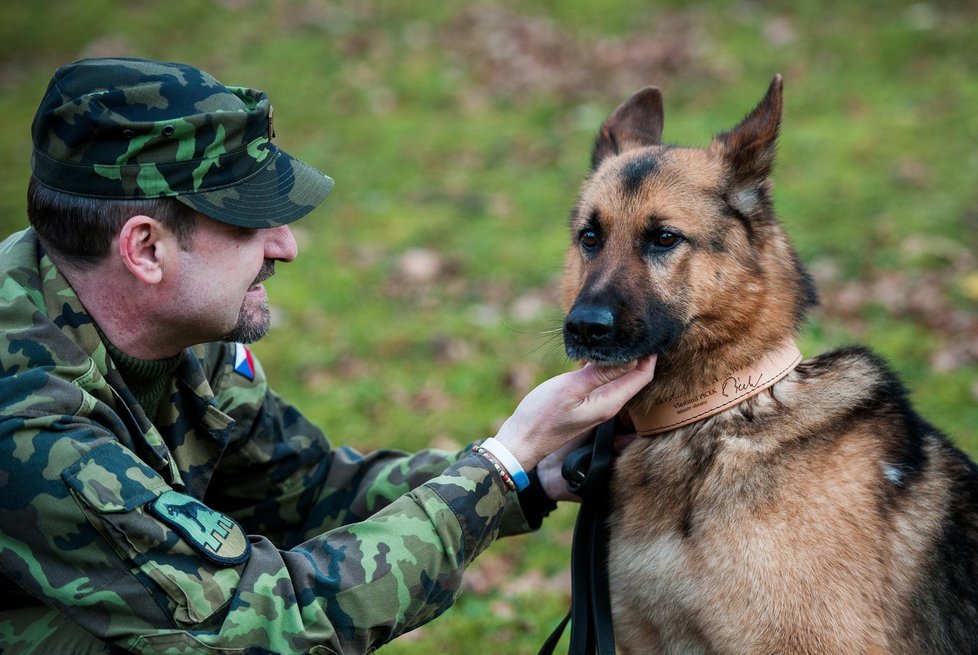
[(487, 574)]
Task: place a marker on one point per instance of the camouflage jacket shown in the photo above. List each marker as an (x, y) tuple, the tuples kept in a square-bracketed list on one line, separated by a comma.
[(226, 524)]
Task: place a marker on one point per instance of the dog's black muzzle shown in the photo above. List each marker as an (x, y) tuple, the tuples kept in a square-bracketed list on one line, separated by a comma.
[(589, 327), (595, 332)]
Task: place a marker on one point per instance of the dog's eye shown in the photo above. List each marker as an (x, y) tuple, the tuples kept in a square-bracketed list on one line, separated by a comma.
[(589, 239), (665, 239)]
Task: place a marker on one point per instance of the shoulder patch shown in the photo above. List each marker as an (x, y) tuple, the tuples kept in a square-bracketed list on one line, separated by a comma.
[(214, 534), (243, 364)]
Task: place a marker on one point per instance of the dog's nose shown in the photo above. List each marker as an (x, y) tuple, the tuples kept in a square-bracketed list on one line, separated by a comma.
[(590, 324)]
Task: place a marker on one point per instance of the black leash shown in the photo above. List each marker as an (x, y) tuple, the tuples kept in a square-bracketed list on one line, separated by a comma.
[(588, 471)]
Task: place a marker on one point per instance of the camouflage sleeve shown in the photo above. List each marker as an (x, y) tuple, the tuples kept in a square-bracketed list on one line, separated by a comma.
[(281, 478), (90, 541), (93, 533)]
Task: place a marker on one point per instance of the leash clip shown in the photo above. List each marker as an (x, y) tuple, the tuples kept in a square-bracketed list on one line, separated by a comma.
[(576, 466)]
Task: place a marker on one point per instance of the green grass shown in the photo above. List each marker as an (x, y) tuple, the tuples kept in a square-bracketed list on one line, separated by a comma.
[(465, 128)]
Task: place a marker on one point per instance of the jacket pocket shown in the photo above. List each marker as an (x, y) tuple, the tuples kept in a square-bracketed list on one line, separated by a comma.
[(118, 493)]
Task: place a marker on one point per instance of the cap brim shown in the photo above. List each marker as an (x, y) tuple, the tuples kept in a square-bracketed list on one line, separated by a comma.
[(285, 190)]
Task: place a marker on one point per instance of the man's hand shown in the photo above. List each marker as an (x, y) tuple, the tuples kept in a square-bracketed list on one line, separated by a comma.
[(566, 406), (549, 470)]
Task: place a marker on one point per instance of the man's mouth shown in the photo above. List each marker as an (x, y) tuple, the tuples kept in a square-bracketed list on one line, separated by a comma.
[(267, 270)]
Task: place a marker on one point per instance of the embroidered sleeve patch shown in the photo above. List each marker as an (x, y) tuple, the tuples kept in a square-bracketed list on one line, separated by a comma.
[(215, 535)]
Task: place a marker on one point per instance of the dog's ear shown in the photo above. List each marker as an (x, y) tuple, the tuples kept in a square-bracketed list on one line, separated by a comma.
[(636, 123), (749, 148)]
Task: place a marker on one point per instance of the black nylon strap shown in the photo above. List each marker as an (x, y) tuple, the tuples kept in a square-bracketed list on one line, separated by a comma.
[(588, 471)]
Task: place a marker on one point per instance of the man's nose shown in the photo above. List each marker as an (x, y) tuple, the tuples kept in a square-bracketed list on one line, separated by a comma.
[(280, 244)]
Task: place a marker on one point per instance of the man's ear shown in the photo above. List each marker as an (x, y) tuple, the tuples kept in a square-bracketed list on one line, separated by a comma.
[(142, 248)]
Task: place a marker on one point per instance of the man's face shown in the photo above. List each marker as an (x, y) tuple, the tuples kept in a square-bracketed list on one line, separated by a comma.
[(221, 290)]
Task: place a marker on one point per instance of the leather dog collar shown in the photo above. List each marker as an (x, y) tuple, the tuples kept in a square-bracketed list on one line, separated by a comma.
[(722, 394)]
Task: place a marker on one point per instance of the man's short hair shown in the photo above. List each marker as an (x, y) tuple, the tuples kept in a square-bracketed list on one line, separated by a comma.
[(79, 230)]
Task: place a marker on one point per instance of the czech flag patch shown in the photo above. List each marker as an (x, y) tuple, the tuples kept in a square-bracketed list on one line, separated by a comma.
[(244, 365)]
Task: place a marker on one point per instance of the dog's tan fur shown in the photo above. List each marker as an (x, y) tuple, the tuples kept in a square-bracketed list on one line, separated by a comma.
[(821, 516)]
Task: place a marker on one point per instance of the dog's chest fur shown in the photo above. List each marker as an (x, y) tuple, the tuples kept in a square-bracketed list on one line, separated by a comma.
[(758, 528)]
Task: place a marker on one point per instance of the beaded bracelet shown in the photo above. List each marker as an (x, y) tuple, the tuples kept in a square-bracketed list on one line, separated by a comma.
[(508, 461), (507, 480)]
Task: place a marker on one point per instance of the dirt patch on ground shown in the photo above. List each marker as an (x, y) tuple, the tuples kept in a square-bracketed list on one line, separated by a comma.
[(941, 297), (512, 54)]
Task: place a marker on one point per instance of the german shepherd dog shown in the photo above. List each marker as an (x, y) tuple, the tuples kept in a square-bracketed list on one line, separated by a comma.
[(821, 515)]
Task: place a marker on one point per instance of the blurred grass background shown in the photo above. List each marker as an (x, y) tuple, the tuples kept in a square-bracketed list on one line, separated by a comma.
[(420, 309)]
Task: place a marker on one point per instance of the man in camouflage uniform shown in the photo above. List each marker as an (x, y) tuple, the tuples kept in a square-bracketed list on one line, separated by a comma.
[(156, 495)]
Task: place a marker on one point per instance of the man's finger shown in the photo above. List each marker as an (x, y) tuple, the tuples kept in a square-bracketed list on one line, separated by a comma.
[(606, 374), (620, 390)]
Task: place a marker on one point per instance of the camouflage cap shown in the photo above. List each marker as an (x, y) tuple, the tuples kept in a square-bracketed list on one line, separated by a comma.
[(132, 128)]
